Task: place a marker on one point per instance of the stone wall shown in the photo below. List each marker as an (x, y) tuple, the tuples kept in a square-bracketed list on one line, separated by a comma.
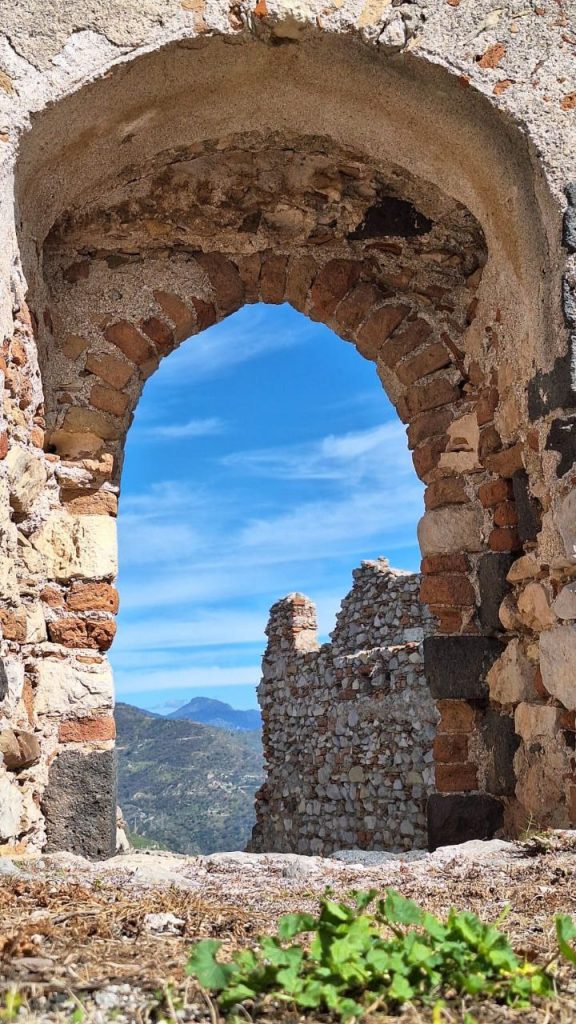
[(399, 173), (349, 726)]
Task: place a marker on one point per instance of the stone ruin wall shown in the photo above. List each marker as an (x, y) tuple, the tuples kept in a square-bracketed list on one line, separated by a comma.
[(348, 726)]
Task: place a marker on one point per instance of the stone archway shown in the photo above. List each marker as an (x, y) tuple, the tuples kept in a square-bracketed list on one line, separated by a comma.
[(141, 226)]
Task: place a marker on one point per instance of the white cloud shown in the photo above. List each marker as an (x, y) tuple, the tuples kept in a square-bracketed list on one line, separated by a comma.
[(238, 339), (345, 457), (174, 431), (186, 678)]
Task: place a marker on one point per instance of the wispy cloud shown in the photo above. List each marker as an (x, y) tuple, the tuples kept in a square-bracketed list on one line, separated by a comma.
[(186, 678), (336, 457), (244, 337), (175, 431)]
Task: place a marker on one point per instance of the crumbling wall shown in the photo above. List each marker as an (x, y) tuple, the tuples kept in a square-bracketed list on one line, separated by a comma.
[(348, 726)]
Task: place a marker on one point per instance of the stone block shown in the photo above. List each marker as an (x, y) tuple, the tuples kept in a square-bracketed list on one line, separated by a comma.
[(115, 372), (562, 439), (557, 663), (450, 529), (77, 546), (18, 749), (378, 328), (11, 808), (456, 818), (92, 597), (131, 343), (501, 743), (527, 507), (534, 722), (564, 605), (456, 667), (456, 778), (79, 804), (534, 608), (512, 677), (493, 568), (26, 478), (66, 689)]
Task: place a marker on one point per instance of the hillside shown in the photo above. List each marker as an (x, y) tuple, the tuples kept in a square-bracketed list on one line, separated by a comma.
[(216, 712), (186, 785)]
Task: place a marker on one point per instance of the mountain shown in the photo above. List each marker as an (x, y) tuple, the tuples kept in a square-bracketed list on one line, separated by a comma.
[(216, 712), (186, 786)]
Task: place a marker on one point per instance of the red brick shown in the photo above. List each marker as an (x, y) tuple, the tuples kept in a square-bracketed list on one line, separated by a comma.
[(273, 278), (134, 346), (28, 699), (332, 283), (486, 406), (437, 392), (114, 371), (299, 277), (205, 313), (427, 456), (503, 539), (225, 280), (249, 268), (456, 591), (3, 444), (454, 620), (455, 778), (92, 597), (433, 564), (489, 442), (87, 730), (447, 491), (405, 341), (160, 333), (507, 462), (455, 716), (109, 400), (451, 748), (378, 327), (433, 358), (505, 514), (494, 491), (52, 597), (356, 306), (101, 633), (182, 317), (428, 424)]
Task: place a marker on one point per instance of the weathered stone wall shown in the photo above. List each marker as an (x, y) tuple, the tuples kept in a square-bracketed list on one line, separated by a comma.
[(349, 726), (401, 173)]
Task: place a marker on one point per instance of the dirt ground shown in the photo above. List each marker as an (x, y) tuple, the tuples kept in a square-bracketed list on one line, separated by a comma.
[(79, 942)]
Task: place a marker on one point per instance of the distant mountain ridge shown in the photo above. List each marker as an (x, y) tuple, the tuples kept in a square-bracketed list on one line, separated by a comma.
[(186, 785), (216, 713)]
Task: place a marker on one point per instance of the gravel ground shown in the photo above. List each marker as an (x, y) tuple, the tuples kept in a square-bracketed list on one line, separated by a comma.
[(108, 941)]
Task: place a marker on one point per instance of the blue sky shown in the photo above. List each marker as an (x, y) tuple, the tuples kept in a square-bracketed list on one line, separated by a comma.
[(264, 458)]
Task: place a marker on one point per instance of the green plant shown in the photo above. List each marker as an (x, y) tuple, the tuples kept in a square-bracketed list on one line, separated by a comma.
[(12, 1002), (360, 960)]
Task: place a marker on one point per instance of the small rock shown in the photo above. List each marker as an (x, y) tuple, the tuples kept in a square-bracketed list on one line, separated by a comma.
[(167, 924)]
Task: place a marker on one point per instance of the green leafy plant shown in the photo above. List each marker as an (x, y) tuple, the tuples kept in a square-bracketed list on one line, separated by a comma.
[(378, 953)]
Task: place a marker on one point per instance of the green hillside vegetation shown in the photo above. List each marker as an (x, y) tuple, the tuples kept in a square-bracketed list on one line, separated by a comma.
[(188, 787)]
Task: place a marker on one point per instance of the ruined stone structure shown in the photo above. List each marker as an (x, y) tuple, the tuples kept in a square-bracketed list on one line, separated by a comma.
[(349, 726), (404, 173)]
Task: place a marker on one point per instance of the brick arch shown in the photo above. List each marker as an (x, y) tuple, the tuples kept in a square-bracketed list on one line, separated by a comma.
[(430, 265)]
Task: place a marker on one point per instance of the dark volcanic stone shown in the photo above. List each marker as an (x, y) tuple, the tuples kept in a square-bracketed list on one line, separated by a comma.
[(569, 226), (3, 680), (527, 507), (456, 818), (456, 666), (562, 439), (493, 568), (501, 744), (392, 217), (80, 804), (553, 389)]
